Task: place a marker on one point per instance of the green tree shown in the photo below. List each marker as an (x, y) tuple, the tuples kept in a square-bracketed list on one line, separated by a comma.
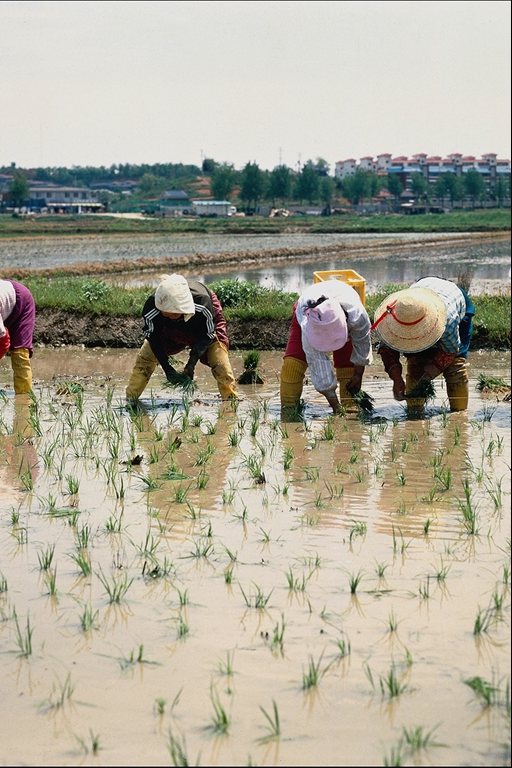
[(474, 185), (394, 185), (306, 186), (357, 187), (208, 165), (419, 186), (252, 185), (222, 181), (151, 185), (18, 191), (327, 189), (280, 184)]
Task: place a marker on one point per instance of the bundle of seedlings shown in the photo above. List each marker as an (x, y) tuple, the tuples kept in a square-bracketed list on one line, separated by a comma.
[(251, 374), (364, 401), (424, 389), (181, 381)]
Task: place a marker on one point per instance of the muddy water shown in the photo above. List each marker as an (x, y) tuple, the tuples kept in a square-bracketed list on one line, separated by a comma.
[(381, 260), (349, 575)]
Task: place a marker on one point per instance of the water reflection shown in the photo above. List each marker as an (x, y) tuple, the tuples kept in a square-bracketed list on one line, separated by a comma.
[(487, 263)]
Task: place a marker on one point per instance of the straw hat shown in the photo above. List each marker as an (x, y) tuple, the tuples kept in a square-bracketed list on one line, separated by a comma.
[(325, 326), (411, 320), (174, 295)]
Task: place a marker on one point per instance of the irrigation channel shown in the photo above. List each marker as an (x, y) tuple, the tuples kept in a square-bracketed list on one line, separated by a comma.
[(193, 583)]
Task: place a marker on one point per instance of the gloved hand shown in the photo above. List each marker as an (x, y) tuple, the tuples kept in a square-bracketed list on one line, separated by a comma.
[(189, 371), (5, 343)]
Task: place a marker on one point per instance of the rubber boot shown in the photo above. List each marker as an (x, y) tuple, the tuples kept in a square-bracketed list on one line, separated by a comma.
[(346, 400), (145, 364), (415, 405), (22, 371), (457, 384), (218, 360), (291, 381)]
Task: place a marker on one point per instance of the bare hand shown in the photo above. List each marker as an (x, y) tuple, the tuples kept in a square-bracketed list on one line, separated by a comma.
[(399, 389)]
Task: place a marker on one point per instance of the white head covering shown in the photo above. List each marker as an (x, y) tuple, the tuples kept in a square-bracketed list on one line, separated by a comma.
[(174, 295), (326, 326)]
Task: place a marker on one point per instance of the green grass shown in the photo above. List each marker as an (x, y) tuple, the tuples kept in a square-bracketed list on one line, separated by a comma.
[(480, 220)]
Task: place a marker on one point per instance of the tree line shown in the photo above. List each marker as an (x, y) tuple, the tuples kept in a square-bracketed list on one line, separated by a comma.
[(253, 186)]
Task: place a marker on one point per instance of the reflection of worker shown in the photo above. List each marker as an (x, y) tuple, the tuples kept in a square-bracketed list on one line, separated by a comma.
[(19, 449), (328, 317), (183, 313), (431, 323), (17, 323)]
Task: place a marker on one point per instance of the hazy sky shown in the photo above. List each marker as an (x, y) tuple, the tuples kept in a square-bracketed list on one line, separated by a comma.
[(97, 83)]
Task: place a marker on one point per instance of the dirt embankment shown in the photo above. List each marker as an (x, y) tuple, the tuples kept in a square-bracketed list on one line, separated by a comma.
[(57, 328)]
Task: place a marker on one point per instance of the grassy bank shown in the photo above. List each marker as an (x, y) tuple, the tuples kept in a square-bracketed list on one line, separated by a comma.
[(242, 300), (491, 220)]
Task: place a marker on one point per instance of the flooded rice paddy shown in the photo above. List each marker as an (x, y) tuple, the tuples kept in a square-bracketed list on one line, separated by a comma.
[(197, 583)]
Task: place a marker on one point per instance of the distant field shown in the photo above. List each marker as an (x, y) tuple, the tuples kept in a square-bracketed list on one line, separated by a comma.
[(489, 220)]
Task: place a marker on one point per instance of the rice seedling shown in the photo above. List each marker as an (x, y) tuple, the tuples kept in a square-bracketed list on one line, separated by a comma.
[(226, 668), (311, 473), (354, 581), (94, 747), (401, 479), (468, 509), (380, 569), (443, 477), (426, 526), (3, 584), (114, 524), (26, 481), (83, 537), (202, 549), (424, 589), (23, 638), (60, 694), (328, 432), (334, 491), (51, 581), (295, 583), (177, 749), (395, 757), (392, 623), (88, 618), (288, 456), (496, 494), (417, 738), (228, 574), (234, 438), (72, 485), (277, 642), (220, 720), (311, 676), (485, 619), (488, 693), (343, 647), (45, 557), (255, 466), (116, 589), (390, 685), (183, 628), (359, 528), (202, 479), (259, 600), (487, 383), (204, 454), (273, 724)]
